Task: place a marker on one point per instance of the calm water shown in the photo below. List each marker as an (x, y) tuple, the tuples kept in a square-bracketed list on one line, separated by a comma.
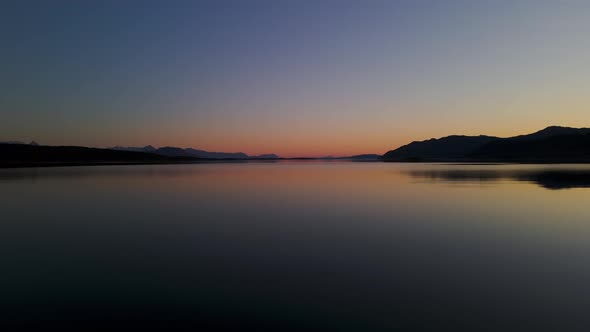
[(299, 245)]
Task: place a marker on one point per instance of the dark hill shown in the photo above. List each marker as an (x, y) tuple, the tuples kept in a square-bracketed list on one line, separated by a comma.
[(550, 132), (24, 155), (443, 149), (552, 144), (561, 148)]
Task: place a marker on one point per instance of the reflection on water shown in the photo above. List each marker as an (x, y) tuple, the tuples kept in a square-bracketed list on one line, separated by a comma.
[(547, 178), (297, 246)]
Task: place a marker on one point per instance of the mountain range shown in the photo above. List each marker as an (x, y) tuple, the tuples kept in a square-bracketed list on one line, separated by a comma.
[(170, 151), (552, 144)]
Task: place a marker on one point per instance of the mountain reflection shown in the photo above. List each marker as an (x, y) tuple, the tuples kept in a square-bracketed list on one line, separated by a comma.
[(547, 178), (297, 173)]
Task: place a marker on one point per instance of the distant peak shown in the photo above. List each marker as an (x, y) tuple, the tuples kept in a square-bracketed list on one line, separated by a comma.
[(555, 128)]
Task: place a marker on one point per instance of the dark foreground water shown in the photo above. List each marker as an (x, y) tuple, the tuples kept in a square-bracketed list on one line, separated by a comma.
[(332, 246)]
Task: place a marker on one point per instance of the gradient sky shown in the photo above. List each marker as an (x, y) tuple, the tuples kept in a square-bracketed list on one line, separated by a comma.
[(297, 78)]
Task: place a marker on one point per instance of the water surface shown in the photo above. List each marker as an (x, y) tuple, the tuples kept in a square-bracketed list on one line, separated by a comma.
[(298, 245)]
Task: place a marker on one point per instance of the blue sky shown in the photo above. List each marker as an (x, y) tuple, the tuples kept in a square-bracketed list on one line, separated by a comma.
[(290, 77)]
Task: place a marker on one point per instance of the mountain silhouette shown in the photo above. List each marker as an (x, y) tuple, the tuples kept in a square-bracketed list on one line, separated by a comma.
[(552, 144), (16, 155), (216, 155), (147, 148), (552, 131), (265, 156), (560, 148), (171, 151), (442, 149)]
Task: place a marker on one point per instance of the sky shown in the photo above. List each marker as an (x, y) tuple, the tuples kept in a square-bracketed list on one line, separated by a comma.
[(295, 78)]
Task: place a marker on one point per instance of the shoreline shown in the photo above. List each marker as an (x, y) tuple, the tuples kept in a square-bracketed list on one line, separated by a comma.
[(9, 165), (15, 165)]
